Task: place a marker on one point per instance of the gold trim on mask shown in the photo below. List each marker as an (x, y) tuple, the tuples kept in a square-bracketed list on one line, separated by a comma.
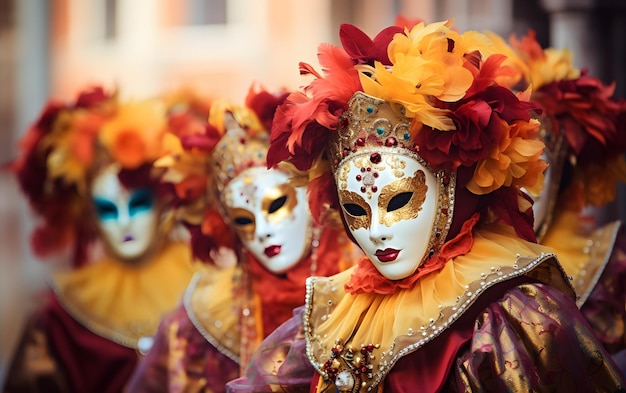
[(271, 199), (445, 191), (410, 210), (355, 222), (239, 218)]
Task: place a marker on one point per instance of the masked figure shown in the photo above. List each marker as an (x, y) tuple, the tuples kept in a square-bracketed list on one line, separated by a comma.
[(227, 312), (87, 171), (426, 152), (585, 149)]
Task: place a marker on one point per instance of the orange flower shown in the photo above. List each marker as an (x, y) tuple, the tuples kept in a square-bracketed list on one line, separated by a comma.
[(600, 181), (514, 162), (135, 134), (72, 146)]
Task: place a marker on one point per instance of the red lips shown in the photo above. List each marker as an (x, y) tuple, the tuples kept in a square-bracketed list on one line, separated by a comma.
[(272, 251), (387, 255)]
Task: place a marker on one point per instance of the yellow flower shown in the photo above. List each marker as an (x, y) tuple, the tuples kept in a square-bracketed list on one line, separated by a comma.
[(555, 66), (71, 145)]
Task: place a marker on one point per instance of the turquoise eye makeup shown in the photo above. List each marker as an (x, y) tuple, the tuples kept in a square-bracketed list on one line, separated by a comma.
[(140, 201), (105, 209)]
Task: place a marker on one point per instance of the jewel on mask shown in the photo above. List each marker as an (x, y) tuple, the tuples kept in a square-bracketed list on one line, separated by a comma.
[(375, 158)]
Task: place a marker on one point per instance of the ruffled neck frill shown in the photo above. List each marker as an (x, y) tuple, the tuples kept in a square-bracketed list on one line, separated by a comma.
[(583, 253), (393, 325), (234, 309), (125, 303)]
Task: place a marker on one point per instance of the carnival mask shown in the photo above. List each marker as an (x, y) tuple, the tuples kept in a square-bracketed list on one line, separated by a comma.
[(270, 216), (390, 204), (127, 219)]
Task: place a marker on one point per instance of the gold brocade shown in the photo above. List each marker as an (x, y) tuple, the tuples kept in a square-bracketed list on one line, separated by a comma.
[(126, 303), (528, 349), (401, 323), (213, 310), (583, 254)]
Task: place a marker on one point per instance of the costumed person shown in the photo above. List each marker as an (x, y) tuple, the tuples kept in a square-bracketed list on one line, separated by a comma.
[(585, 136), (87, 170), (225, 314), (427, 153)]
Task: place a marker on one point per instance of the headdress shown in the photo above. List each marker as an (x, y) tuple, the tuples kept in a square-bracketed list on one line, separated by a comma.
[(428, 92), (67, 145), (204, 161), (583, 122)]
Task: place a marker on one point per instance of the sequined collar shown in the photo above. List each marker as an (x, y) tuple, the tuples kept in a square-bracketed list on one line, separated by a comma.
[(370, 332)]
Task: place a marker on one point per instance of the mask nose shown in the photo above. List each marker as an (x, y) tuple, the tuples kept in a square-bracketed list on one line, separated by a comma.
[(379, 233)]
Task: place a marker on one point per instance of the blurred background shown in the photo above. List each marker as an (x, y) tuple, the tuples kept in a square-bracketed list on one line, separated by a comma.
[(52, 48)]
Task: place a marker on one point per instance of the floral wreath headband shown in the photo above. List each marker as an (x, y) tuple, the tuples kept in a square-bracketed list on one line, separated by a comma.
[(583, 122), (453, 90), (67, 145)]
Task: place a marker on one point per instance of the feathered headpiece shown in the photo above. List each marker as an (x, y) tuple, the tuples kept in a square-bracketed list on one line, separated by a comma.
[(461, 116), (64, 149), (581, 115), (206, 158)]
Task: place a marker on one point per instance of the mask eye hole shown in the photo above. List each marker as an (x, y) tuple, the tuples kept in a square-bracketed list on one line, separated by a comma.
[(277, 204), (399, 201), (140, 201), (354, 210), (105, 210), (243, 220)]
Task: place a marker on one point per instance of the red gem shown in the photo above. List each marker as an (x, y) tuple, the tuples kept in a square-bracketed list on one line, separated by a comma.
[(444, 211), (369, 169), (375, 158), (360, 142), (391, 141), (358, 177), (362, 169), (363, 369), (363, 189), (446, 180), (375, 174), (374, 188), (370, 347), (363, 350)]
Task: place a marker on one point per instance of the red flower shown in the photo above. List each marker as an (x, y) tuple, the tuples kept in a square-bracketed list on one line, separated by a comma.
[(363, 49)]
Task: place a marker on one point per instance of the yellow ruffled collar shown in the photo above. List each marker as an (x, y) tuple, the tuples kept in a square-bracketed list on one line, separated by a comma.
[(583, 253), (214, 308), (125, 303), (403, 322)]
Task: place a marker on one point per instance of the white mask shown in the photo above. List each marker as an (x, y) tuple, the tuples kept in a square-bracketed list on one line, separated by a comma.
[(270, 216), (391, 207), (127, 219)]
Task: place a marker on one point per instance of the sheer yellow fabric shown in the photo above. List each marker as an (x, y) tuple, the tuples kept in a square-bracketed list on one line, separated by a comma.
[(213, 310), (406, 320), (126, 303), (582, 253)]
